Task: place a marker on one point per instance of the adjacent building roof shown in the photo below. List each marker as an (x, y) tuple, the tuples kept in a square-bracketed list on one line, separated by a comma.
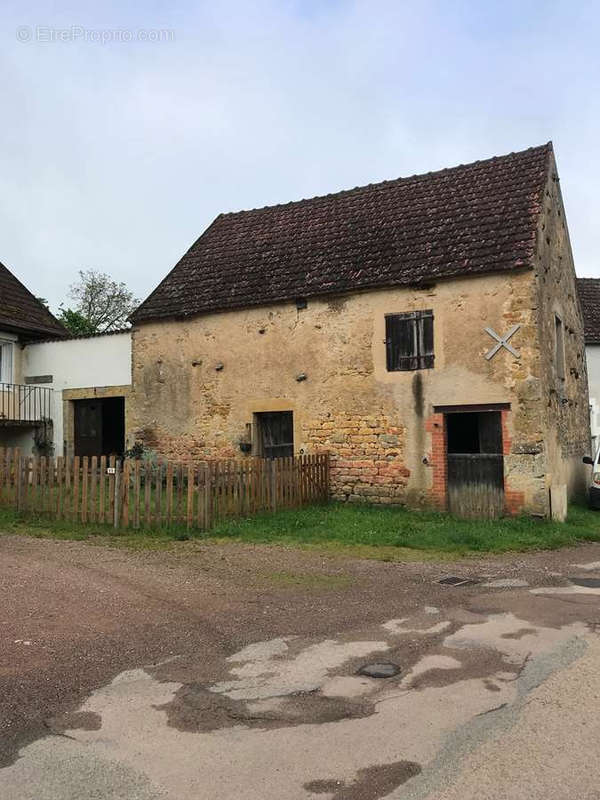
[(21, 312), (467, 220), (589, 297), (77, 337)]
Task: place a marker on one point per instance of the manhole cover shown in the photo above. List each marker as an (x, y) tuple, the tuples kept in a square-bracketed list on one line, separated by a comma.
[(454, 580), (380, 670), (591, 583)]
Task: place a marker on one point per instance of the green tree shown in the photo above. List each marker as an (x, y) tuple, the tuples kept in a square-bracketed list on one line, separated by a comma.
[(75, 322), (100, 304)]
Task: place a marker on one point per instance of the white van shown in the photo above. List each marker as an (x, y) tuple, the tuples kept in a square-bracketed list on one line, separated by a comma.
[(594, 491)]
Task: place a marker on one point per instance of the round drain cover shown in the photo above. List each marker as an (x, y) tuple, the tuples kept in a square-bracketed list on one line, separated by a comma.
[(379, 670)]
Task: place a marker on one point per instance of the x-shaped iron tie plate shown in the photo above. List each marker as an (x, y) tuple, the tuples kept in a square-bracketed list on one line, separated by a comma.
[(502, 342)]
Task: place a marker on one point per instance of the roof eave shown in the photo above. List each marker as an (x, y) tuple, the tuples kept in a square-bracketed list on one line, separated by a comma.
[(29, 331), (180, 316)]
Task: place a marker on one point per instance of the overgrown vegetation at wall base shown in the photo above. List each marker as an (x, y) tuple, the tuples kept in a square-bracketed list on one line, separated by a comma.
[(375, 532), (416, 530)]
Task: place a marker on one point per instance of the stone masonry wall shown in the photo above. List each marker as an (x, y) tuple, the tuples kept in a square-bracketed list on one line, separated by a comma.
[(367, 458), (564, 403), (199, 383)]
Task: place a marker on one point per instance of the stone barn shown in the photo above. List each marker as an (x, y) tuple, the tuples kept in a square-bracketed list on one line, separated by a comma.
[(425, 331)]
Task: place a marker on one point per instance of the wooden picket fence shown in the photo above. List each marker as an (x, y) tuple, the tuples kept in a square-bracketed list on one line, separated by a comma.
[(134, 493)]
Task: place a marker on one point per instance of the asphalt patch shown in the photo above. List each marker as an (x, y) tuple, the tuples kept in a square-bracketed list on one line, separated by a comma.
[(195, 709), (371, 783)]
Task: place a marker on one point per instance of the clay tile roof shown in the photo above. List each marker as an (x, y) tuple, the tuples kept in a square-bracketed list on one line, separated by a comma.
[(588, 290), (462, 221), (23, 313)]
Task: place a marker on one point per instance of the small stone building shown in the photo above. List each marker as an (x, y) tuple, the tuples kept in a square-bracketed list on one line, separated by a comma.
[(425, 331)]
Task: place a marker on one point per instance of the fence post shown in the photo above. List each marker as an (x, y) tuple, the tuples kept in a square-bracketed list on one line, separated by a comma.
[(273, 470), (85, 462), (116, 495), (18, 479), (190, 496), (125, 493), (207, 498)]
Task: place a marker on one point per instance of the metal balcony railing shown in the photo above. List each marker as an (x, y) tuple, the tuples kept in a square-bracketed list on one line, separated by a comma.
[(22, 404)]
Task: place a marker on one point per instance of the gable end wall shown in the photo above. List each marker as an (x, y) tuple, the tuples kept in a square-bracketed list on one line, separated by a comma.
[(564, 404)]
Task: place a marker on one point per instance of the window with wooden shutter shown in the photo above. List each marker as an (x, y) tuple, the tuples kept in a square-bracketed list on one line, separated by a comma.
[(409, 340)]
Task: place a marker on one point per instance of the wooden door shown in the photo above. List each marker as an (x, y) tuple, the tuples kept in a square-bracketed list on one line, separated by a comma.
[(476, 484), (475, 464), (88, 427)]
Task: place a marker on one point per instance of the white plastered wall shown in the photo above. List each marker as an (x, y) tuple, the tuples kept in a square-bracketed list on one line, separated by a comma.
[(592, 355), (97, 361)]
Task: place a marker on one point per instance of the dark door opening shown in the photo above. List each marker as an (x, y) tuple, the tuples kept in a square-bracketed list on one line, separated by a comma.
[(475, 463), (275, 433), (474, 432), (99, 426)]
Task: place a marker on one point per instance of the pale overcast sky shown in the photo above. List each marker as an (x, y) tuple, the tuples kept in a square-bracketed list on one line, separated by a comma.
[(117, 155)]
